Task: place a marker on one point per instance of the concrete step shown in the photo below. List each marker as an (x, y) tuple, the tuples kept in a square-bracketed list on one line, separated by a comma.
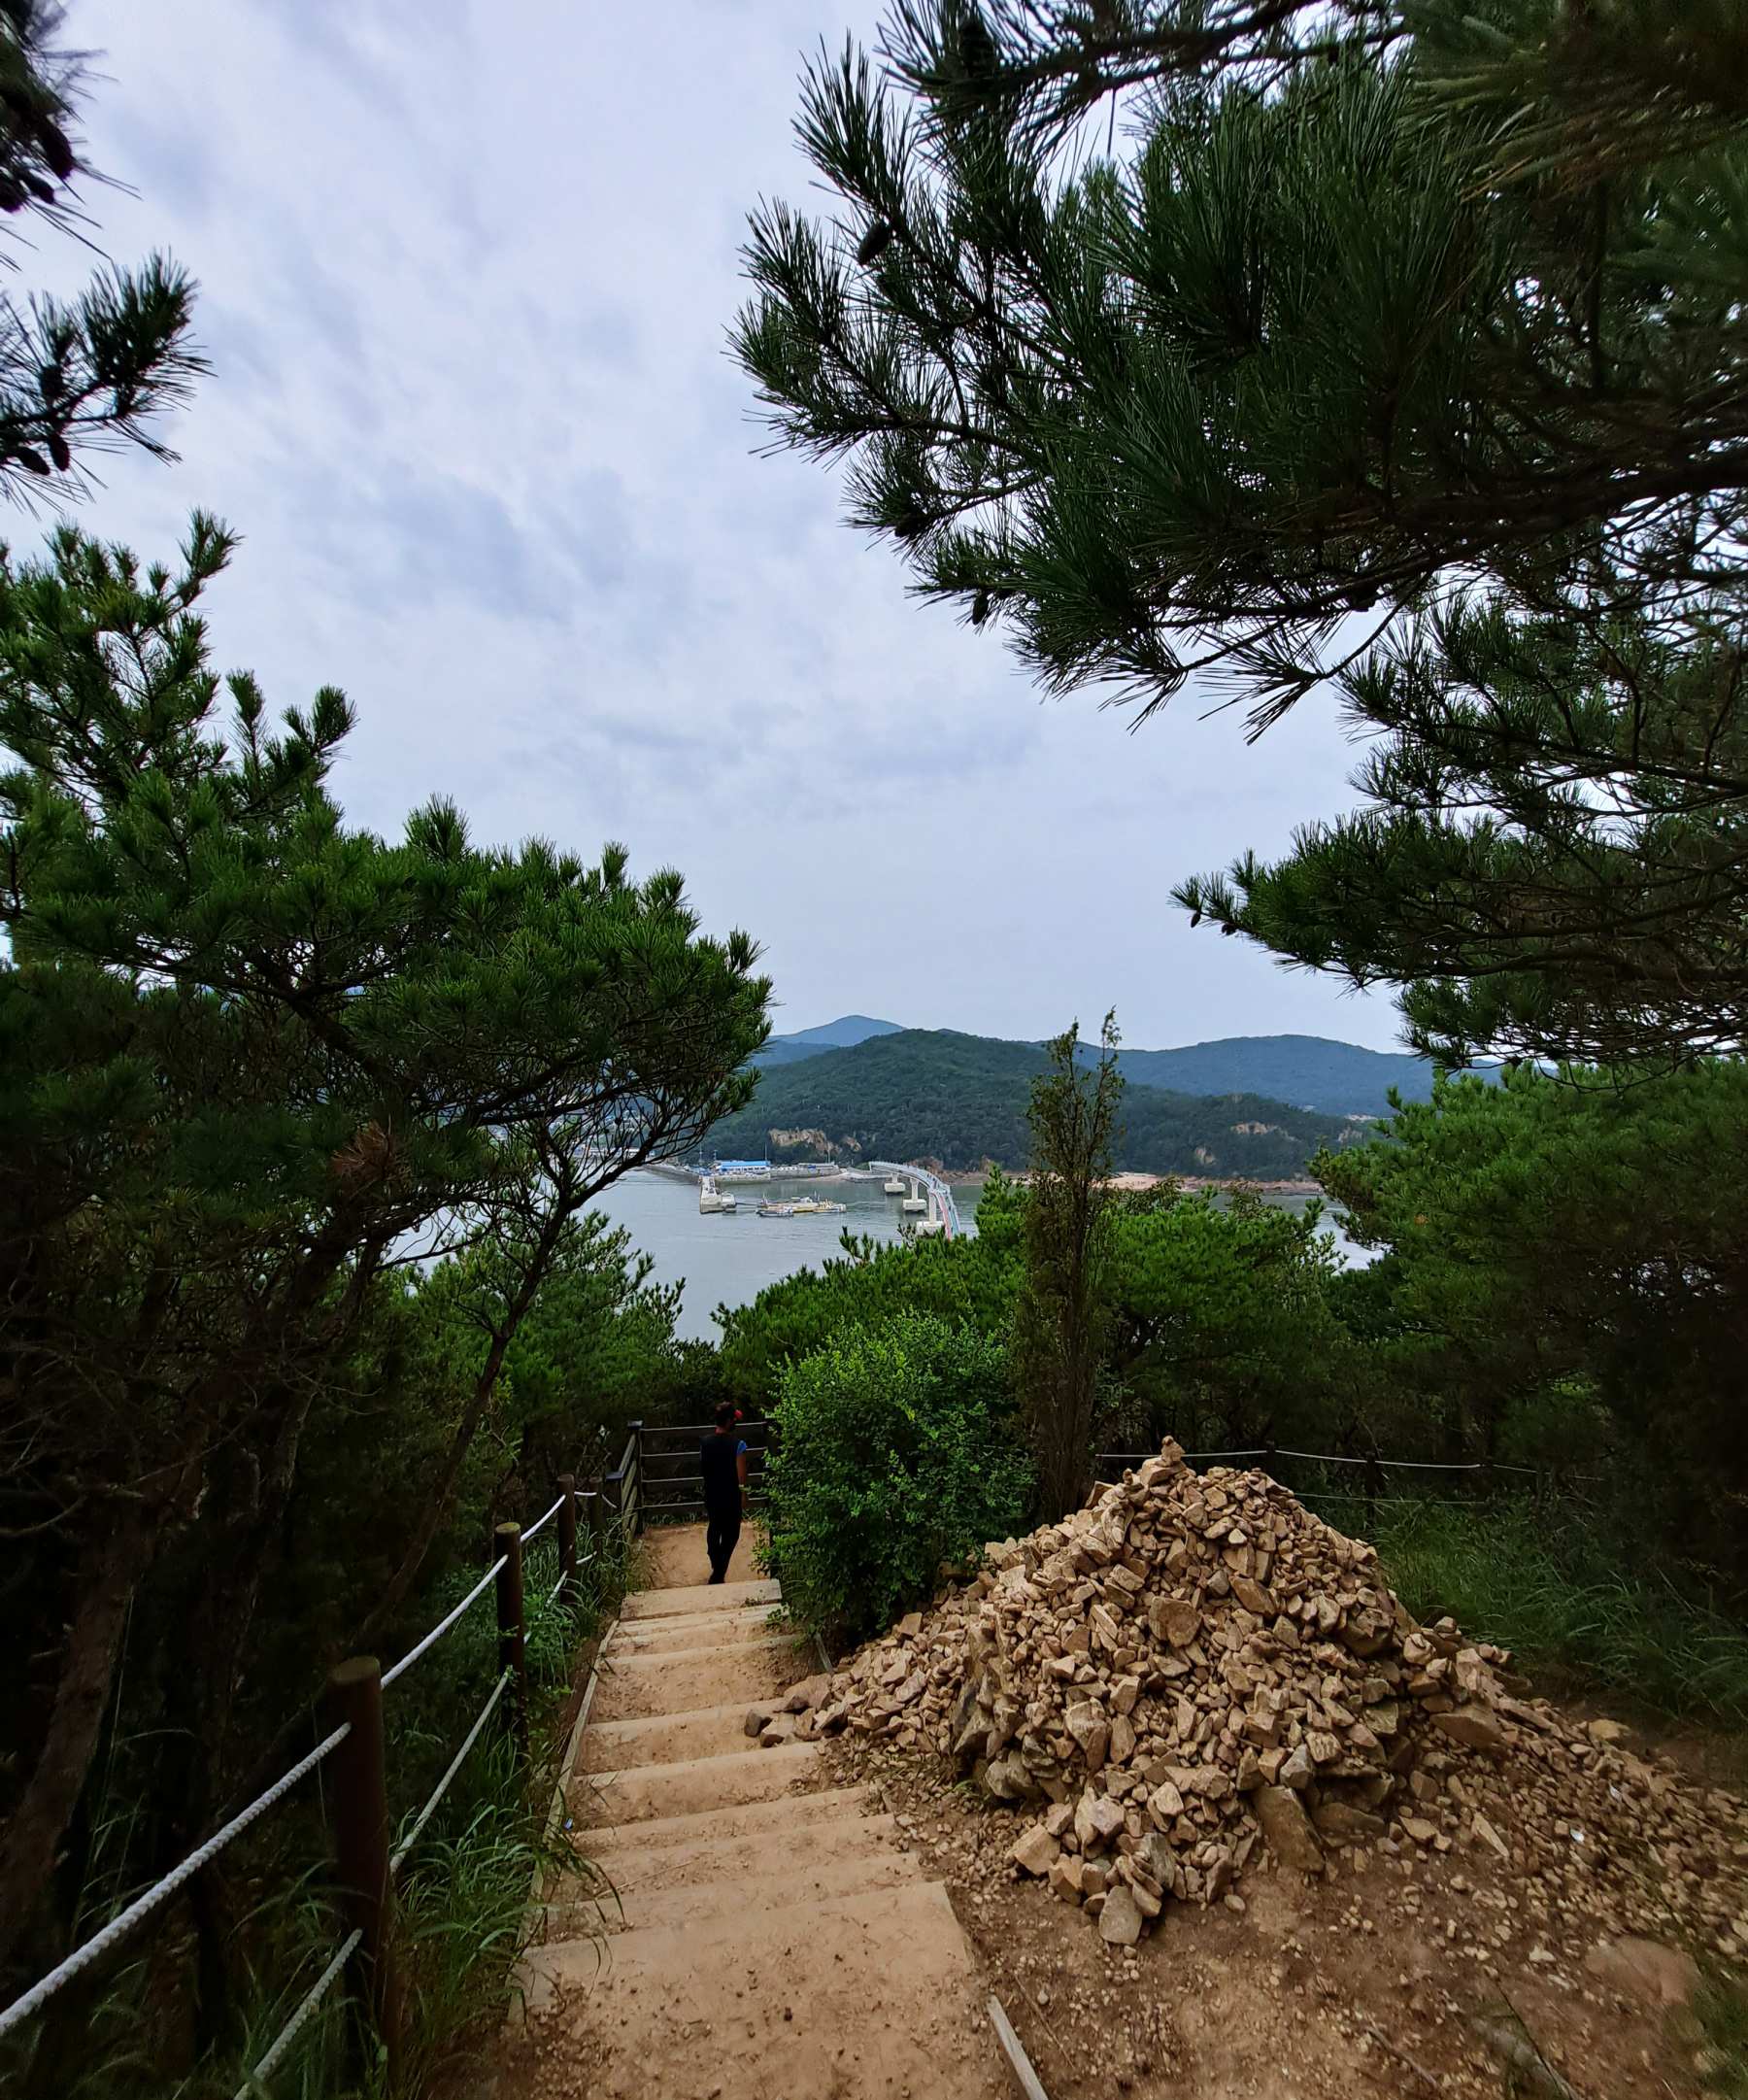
[(699, 1630), (775, 1821), (862, 1997), (638, 1687), (639, 1792), (705, 1597), (665, 1739), (790, 1843), (740, 1895)]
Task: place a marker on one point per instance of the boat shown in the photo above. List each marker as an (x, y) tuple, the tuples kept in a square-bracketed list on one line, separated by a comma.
[(804, 1207), (894, 1185), (711, 1198), (768, 1209)]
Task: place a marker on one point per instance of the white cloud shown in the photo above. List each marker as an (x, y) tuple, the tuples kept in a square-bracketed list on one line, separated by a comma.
[(467, 276)]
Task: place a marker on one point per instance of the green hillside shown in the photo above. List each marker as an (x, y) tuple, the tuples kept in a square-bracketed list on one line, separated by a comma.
[(933, 1094), (1306, 1072)]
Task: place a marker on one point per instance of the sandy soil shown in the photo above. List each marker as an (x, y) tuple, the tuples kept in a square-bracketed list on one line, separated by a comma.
[(674, 1557), (1366, 1982)]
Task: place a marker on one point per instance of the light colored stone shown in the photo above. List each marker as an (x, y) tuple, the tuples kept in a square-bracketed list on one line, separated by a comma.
[(1120, 1921), (1174, 1619), (1296, 1768), (1644, 1968), (1037, 1851), (1475, 1729), (1086, 1722), (1288, 1828)]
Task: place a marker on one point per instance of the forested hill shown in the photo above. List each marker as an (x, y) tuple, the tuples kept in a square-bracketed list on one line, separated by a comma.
[(1309, 1071), (932, 1094), (1306, 1072)]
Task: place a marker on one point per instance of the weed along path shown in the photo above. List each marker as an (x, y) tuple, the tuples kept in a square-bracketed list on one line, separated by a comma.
[(766, 1932)]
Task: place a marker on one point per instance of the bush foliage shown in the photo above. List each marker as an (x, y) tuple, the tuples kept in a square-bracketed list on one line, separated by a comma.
[(898, 1458)]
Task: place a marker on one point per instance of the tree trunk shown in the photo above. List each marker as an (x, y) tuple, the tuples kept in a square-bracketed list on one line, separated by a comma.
[(33, 1835)]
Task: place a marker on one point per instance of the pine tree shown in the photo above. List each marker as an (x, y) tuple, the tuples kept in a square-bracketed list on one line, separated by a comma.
[(1065, 1301), (250, 1059), (86, 376), (1402, 343)]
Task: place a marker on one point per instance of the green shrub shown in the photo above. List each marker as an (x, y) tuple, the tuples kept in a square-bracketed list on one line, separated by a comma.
[(898, 1455)]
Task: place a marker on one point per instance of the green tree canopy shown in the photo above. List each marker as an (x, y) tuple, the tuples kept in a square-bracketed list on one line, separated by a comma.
[(1379, 304), (1562, 1276), (252, 1060)]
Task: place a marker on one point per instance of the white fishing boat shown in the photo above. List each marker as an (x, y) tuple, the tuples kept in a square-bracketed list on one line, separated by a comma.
[(769, 1209), (711, 1198), (894, 1186), (810, 1207)]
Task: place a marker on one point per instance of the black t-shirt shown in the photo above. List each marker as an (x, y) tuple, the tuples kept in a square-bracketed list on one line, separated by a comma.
[(718, 1456)]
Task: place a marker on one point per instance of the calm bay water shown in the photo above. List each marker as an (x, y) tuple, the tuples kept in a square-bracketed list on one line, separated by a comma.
[(728, 1260)]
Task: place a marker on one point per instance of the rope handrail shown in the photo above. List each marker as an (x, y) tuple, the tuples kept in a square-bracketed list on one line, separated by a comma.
[(255, 2082), (1337, 1458), (444, 1624), (443, 1784), (122, 1924), (119, 1926), (540, 1521)]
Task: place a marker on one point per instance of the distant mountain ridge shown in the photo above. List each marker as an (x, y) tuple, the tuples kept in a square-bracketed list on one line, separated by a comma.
[(916, 1093), (1311, 1071), (842, 1033), (1303, 1072)]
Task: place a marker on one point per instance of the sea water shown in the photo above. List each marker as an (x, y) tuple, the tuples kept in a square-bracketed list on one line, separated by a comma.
[(727, 1258)]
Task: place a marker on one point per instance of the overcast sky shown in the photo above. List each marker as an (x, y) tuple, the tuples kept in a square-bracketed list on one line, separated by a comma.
[(466, 273)]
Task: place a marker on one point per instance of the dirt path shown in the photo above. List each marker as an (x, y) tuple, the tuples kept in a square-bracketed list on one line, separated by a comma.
[(674, 1557), (766, 1932)]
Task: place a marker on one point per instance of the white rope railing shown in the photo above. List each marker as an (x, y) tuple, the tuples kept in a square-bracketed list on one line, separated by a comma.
[(444, 1624), (255, 2082), (118, 1928), (124, 1922), (1334, 1458), (443, 1784), (540, 1521)]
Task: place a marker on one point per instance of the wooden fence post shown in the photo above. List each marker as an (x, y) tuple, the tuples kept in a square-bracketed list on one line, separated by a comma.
[(511, 1632), (354, 1694), (567, 1541)]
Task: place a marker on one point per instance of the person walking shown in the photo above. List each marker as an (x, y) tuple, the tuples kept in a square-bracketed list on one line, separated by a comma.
[(722, 1457)]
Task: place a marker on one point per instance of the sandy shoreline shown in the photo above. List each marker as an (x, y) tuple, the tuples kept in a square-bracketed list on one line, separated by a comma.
[(963, 1178)]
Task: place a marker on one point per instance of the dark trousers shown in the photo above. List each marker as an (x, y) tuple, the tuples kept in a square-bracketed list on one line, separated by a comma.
[(721, 1533)]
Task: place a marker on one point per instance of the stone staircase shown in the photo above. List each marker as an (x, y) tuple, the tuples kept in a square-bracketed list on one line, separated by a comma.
[(767, 1933)]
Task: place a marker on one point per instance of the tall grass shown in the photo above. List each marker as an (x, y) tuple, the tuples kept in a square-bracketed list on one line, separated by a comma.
[(1722, 2007), (1550, 1586)]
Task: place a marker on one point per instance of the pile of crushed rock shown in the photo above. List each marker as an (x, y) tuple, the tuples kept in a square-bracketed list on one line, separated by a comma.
[(1195, 1666)]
